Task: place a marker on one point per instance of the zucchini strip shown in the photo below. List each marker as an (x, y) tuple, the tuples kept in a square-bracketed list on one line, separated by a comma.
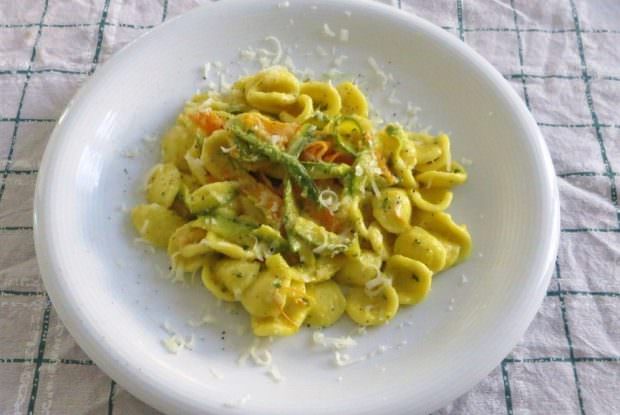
[(323, 170), (296, 170), (301, 140)]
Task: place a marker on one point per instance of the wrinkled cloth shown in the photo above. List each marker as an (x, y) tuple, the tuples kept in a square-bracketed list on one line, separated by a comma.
[(561, 56)]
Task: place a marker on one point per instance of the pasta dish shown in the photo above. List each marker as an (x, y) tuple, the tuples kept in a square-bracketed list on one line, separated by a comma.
[(283, 196)]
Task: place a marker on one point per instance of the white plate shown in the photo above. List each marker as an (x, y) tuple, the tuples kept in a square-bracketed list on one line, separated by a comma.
[(106, 288)]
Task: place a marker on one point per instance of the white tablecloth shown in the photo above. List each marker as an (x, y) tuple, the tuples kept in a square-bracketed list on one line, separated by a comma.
[(561, 56)]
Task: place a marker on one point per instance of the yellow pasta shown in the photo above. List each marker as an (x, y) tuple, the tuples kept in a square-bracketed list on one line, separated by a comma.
[(327, 303), (163, 184), (372, 310), (410, 278), (285, 198)]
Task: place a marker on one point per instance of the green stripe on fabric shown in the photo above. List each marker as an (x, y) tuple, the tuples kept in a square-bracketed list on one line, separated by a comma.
[(526, 96), (507, 391), (590, 102), (39, 359), (569, 339), (459, 16), (164, 13), (111, 397), (33, 55), (100, 32)]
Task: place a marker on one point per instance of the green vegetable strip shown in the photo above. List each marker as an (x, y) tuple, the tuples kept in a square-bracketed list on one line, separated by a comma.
[(275, 155), (290, 215), (231, 229), (318, 236), (301, 140), (322, 170), (356, 182)]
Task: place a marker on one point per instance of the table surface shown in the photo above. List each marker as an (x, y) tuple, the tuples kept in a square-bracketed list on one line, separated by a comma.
[(561, 56)]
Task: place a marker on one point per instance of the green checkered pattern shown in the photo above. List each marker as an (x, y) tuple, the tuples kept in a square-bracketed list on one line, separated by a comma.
[(568, 362)]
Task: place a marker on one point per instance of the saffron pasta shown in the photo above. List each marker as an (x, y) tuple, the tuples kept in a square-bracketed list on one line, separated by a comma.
[(283, 196)]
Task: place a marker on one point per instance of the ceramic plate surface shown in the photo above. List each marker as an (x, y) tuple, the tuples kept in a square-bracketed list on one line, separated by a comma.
[(107, 289)]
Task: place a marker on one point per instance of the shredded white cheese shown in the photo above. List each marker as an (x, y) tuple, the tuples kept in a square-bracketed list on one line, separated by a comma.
[(129, 153), (327, 31), (329, 200), (205, 70), (341, 359), (344, 35), (176, 342), (227, 150), (464, 279), (283, 5), (392, 98), (383, 78), (359, 170), (321, 51), (340, 60), (238, 403), (277, 54), (374, 286), (259, 354), (216, 374), (205, 319), (248, 54), (275, 374), (466, 161), (347, 13), (334, 343)]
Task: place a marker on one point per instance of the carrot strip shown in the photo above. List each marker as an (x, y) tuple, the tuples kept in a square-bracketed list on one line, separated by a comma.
[(207, 121)]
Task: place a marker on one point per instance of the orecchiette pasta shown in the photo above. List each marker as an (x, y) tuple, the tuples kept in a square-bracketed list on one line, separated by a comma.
[(284, 197)]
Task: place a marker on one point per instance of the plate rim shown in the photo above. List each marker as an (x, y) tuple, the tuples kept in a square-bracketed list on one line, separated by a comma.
[(129, 377)]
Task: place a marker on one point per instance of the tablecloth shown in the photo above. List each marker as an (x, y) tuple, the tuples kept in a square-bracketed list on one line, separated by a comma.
[(561, 56)]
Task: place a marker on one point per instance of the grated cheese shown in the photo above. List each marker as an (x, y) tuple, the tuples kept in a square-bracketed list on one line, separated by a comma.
[(283, 5), (383, 78), (321, 51), (216, 374), (327, 31), (341, 359), (392, 98), (464, 279), (238, 403), (205, 319), (248, 54), (329, 200), (334, 343), (466, 161), (344, 35), (278, 49), (258, 352), (227, 150), (340, 60), (372, 286), (347, 13), (205, 70), (275, 374), (129, 153)]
